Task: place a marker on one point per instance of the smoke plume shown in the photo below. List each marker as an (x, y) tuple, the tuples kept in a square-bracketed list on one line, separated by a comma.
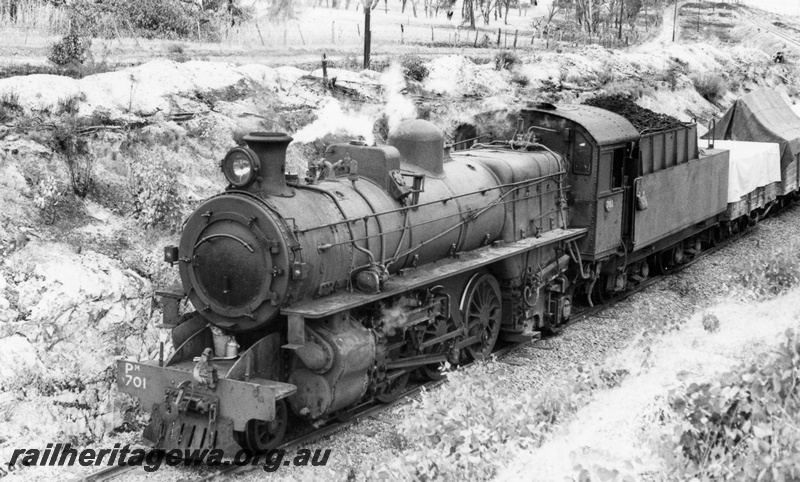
[(398, 107), (332, 119)]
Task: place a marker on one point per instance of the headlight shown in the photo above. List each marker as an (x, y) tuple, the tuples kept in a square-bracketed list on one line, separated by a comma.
[(240, 166)]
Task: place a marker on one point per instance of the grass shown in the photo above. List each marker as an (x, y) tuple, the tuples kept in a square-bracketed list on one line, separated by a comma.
[(35, 15)]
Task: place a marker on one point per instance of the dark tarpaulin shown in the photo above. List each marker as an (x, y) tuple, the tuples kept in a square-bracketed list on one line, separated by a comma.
[(762, 116)]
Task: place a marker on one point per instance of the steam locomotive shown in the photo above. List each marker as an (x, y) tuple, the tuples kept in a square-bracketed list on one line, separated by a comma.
[(315, 296)]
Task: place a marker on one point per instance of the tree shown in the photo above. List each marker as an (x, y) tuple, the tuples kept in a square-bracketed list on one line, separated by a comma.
[(282, 9), (468, 12)]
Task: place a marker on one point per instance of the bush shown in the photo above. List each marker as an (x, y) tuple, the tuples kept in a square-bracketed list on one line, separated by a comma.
[(505, 60), (712, 86), (74, 149), (414, 68), (520, 79), (46, 197), (170, 19), (71, 49), (743, 426), (710, 323), (154, 191), (672, 76), (770, 274), (9, 106), (71, 104)]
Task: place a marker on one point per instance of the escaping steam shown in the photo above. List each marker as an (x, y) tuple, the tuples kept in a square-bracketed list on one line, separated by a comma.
[(332, 119), (398, 107), (395, 317)]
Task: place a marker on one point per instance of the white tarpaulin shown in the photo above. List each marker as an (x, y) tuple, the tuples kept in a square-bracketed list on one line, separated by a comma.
[(752, 165)]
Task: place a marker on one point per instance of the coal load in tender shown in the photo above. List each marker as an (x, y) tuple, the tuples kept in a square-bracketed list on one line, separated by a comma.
[(644, 120)]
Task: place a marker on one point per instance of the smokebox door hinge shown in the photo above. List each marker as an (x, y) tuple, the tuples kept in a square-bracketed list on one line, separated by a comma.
[(296, 335)]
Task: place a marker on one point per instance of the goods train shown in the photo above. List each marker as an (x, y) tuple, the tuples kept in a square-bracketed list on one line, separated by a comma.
[(313, 297)]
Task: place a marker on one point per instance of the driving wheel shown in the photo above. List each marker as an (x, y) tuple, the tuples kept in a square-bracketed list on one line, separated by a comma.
[(481, 309)]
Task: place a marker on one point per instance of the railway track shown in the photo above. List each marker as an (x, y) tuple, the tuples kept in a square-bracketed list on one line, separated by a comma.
[(772, 30), (228, 471)]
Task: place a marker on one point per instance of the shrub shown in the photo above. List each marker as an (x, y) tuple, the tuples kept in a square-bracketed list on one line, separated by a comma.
[(606, 76), (414, 68), (770, 273), (71, 49), (712, 86), (177, 52), (9, 105), (154, 191), (46, 197), (171, 19), (70, 105), (505, 59), (743, 426), (710, 323), (74, 149), (520, 79)]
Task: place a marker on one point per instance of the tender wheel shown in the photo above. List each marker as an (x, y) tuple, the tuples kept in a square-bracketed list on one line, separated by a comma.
[(391, 390), (667, 261), (481, 309), (744, 222), (714, 237), (260, 436)]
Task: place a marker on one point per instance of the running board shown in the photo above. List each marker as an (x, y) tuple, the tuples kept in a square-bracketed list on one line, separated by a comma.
[(428, 274)]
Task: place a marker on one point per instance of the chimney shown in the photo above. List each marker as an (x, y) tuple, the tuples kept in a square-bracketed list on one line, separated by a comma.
[(271, 150)]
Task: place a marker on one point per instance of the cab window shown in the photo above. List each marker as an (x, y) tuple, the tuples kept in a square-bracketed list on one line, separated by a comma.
[(581, 155), (617, 170)]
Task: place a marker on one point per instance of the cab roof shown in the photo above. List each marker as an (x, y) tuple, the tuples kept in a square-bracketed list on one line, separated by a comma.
[(604, 126)]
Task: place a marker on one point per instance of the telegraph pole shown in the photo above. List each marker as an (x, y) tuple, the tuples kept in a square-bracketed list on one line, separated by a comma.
[(367, 4), (675, 21)]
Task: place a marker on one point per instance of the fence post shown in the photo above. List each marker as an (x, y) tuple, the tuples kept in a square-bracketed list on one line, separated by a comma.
[(431, 33), (477, 32), (402, 31), (516, 32), (324, 72), (257, 30), (498, 37)]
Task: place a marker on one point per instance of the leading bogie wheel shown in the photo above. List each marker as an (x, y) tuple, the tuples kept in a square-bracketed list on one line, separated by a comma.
[(260, 435), (392, 389), (481, 308)]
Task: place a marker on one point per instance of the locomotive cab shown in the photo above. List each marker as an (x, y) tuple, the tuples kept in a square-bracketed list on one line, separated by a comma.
[(598, 147)]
